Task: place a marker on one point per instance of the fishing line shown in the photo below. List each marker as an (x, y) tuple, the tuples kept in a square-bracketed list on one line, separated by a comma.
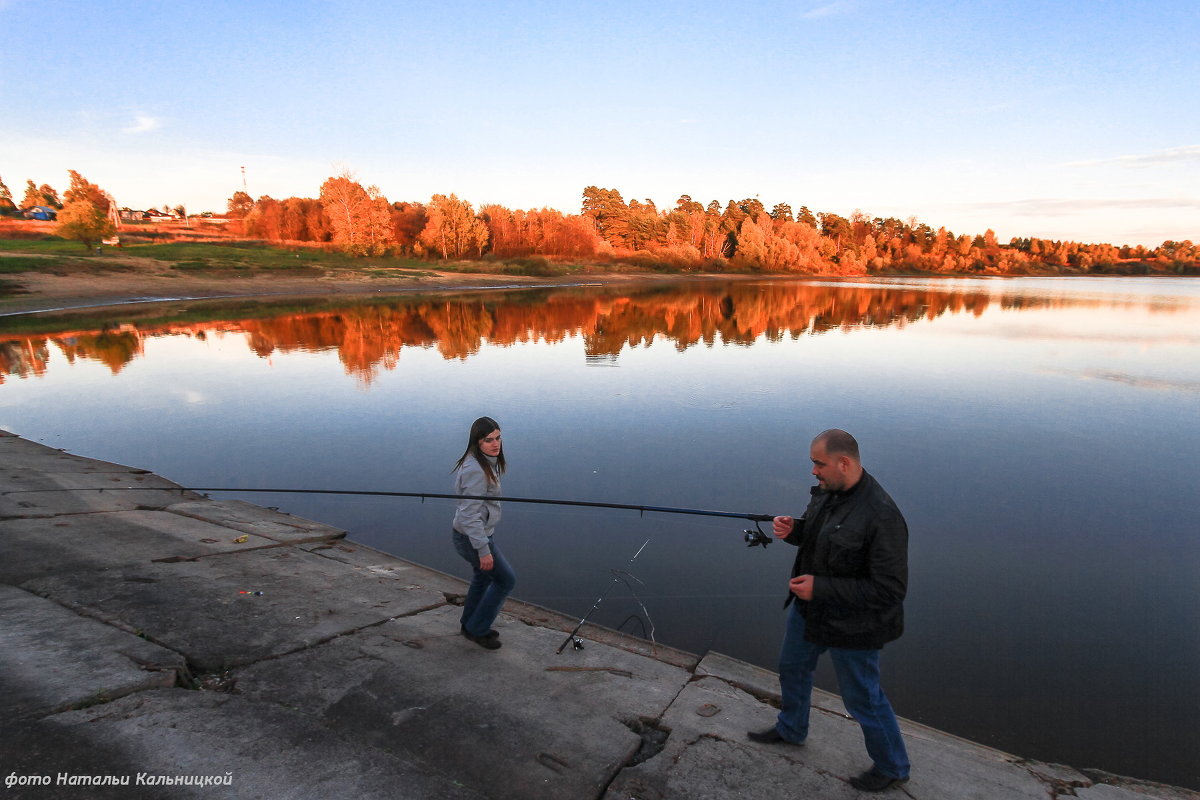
[(618, 577)]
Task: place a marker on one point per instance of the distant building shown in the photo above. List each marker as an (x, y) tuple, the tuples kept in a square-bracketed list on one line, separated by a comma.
[(44, 213)]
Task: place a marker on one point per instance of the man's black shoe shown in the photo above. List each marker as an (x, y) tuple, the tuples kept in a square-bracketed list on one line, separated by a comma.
[(491, 634), (769, 736), (487, 642), (872, 781)]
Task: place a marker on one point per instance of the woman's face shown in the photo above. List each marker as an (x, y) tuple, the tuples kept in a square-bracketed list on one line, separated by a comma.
[(490, 444)]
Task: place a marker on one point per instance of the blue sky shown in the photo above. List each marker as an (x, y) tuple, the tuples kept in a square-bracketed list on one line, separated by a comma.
[(1065, 120)]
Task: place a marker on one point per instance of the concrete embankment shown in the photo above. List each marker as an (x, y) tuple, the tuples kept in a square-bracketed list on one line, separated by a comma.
[(155, 643)]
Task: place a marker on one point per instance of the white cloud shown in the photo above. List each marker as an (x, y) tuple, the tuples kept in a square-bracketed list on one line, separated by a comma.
[(143, 123), (1058, 206), (1172, 155), (830, 9)]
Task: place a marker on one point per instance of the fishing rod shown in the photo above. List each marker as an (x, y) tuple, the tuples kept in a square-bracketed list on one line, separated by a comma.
[(617, 578), (753, 538)]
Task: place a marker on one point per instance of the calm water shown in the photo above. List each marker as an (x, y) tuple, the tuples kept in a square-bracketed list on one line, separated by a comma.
[(1041, 436)]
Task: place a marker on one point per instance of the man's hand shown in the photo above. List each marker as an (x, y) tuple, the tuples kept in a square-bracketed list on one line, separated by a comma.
[(802, 586), (487, 562), (782, 527)]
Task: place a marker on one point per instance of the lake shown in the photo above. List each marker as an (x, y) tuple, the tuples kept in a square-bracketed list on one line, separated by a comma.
[(1041, 436)]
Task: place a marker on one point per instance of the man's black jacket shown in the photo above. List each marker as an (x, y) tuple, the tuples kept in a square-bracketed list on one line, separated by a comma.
[(860, 562)]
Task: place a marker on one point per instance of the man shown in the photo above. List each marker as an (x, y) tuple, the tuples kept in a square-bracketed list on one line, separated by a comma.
[(846, 596)]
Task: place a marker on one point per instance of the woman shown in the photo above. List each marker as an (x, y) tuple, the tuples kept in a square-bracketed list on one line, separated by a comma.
[(478, 473)]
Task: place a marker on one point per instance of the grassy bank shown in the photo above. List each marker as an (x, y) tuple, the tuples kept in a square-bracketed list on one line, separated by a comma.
[(238, 259)]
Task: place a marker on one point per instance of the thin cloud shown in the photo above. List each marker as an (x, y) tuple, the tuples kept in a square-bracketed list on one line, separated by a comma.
[(1058, 207), (143, 123), (1172, 155), (829, 10), (1143, 382)]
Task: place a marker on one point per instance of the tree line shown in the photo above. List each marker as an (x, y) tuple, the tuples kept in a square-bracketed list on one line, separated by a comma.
[(740, 235)]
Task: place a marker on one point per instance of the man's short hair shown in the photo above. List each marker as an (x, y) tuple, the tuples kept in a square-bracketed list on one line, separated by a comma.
[(839, 443)]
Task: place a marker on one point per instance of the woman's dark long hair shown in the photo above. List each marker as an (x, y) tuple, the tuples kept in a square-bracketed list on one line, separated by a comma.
[(480, 429)]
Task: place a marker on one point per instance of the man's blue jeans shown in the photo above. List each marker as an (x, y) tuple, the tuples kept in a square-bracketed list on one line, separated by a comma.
[(488, 588), (858, 679)]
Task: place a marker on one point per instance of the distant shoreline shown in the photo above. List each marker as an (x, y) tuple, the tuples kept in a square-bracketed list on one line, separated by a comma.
[(41, 292)]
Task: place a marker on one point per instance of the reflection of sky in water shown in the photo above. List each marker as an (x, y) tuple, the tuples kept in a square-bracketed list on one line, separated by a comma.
[(1045, 458)]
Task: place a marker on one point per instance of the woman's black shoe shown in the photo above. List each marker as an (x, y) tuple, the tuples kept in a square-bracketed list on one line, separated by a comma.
[(487, 642), (491, 634), (873, 781), (769, 736)]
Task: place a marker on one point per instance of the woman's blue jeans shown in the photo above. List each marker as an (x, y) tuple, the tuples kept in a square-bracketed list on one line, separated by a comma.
[(488, 587), (858, 680)]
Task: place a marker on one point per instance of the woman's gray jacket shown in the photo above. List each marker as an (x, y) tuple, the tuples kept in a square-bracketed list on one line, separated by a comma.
[(477, 519)]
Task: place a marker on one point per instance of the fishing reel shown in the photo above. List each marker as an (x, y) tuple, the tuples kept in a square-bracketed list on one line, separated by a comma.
[(756, 537)]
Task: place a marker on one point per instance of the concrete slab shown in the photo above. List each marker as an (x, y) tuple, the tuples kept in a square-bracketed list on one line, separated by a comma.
[(949, 768), (17, 505), (41, 481), (350, 552), (265, 751), (22, 454), (40, 671), (18, 480), (92, 542), (208, 610), (248, 518), (377, 562), (707, 754), (519, 722), (754, 680)]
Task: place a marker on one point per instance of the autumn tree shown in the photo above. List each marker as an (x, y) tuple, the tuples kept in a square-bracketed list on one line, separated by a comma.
[(304, 220), (83, 189), (835, 228), (452, 229), (239, 205), (264, 220), (796, 247), (507, 231), (408, 220), (608, 212), (361, 218), (645, 228), (49, 196), (6, 199), (32, 196), (84, 221), (752, 242), (569, 235), (731, 222)]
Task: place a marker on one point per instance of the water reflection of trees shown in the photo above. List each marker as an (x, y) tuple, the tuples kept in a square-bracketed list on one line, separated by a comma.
[(369, 337)]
